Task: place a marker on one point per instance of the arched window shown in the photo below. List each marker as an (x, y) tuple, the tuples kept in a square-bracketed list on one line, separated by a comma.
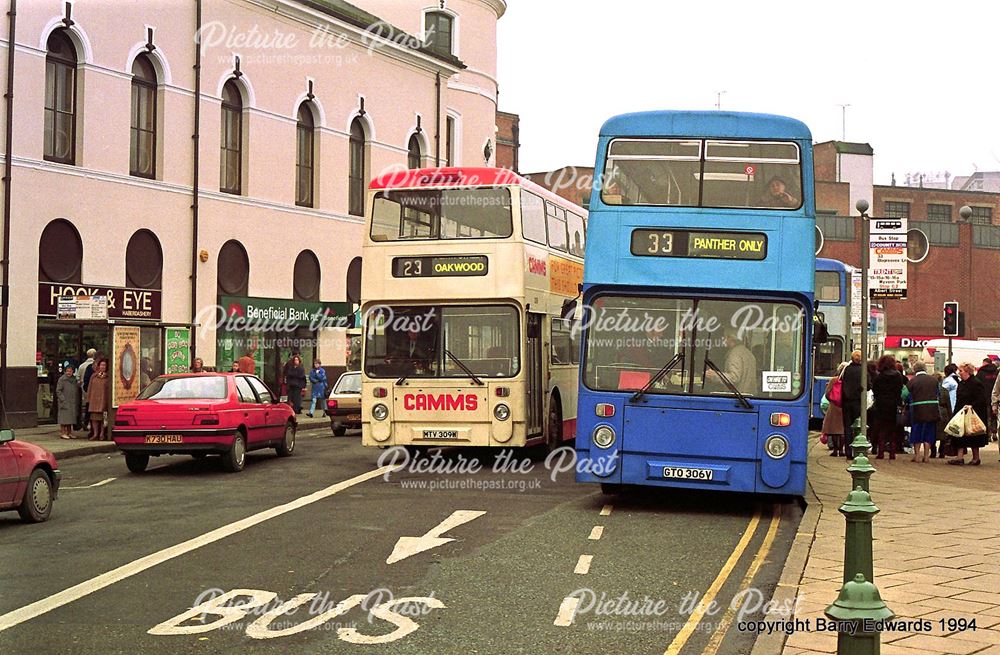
[(60, 99), (438, 32), (305, 285), (413, 155), (60, 253), (144, 261), (358, 166), (142, 160), (305, 155), (231, 142), (233, 276)]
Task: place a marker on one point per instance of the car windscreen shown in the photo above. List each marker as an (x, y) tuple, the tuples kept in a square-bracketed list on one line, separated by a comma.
[(204, 388)]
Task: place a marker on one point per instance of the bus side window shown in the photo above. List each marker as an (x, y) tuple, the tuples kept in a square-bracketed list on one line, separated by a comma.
[(532, 217), (555, 219), (562, 346), (577, 229)]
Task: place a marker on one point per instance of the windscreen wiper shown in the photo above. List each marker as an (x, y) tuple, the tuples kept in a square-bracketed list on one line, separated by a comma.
[(465, 368), (401, 380), (678, 357), (709, 364)]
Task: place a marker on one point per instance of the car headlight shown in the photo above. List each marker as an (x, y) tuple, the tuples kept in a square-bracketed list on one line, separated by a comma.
[(604, 436), (501, 412), (776, 446), (380, 412)]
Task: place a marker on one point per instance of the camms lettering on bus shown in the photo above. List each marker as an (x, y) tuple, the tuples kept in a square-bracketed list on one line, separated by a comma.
[(425, 402)]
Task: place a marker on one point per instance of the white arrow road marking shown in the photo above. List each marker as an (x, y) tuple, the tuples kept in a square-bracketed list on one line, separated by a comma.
[(407, 546), (91, 486)]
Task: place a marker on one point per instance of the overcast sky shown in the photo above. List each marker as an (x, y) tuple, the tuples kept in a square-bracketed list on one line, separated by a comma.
[(922, 78)]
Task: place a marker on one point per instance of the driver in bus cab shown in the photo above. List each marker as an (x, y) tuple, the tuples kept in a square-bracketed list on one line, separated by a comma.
[(740, 365), (411, 350), (777, 196)]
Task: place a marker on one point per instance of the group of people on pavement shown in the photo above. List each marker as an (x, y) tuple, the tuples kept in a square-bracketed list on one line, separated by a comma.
[(293, 380), (898, 398), (83, 396)]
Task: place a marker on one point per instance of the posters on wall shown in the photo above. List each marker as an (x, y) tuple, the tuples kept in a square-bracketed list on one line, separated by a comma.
[(178, 350), (125, 364)]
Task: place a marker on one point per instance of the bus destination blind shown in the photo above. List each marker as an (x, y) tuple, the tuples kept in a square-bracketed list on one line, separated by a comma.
[(445, 266), (699, 244)]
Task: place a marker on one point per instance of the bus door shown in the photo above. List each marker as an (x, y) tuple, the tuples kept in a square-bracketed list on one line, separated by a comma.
[(535, 394)]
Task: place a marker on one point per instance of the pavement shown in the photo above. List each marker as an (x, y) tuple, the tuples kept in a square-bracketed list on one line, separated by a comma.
[(936, 548), (47, 436)]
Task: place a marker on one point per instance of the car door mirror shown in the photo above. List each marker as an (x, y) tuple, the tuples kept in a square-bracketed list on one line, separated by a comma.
[(6, 435)]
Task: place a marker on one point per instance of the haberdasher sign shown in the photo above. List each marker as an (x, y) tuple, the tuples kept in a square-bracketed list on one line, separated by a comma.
[(123, 303), (887, 259)]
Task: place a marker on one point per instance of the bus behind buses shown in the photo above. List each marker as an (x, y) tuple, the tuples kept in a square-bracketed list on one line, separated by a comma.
[(698, 297), (465, 273), (833, 296)]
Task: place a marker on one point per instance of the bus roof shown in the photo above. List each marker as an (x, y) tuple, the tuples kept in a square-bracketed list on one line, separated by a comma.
[(462, 176), (823, 264), (721, 124)]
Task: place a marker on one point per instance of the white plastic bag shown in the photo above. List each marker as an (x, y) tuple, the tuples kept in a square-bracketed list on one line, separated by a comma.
[(956, 426), (871, 398)]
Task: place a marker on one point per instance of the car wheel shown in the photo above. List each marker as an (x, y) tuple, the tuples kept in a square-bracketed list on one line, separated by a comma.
[(136, 462), (236, 457), (340, 430), (288, 443), (37, 502)]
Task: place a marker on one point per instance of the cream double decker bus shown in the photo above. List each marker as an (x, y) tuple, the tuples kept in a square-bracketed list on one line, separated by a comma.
[(465, 273)]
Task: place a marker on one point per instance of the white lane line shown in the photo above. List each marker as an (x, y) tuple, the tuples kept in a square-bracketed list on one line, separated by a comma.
[(596, 533), (91, 486), (583, 564), (606, 510), (76, 592), (567, 611)]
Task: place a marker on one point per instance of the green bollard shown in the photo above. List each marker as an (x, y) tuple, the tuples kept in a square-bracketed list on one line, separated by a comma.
[(861, 468), (859, 510), (857, 612)]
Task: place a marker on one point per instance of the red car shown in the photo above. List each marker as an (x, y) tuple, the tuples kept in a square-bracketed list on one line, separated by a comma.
[(29, 478), (199, 414)]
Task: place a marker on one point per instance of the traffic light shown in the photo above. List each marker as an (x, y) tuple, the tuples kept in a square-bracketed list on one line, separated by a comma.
[(951, 319)]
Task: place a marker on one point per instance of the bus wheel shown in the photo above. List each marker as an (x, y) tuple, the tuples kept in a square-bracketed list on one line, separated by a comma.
[(609, 489), (553, 439)]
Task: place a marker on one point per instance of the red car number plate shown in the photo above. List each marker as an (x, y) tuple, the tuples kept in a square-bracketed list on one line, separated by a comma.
[(164, 438)]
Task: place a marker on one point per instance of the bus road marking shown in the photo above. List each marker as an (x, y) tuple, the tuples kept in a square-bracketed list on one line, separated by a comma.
[(706, 601), (758, 560), (567, 610), (76, 592), (596, 533), (583, 564), (606, 510)]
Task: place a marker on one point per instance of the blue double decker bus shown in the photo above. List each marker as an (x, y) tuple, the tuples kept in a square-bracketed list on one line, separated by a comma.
[(698, 304), (833, 300)]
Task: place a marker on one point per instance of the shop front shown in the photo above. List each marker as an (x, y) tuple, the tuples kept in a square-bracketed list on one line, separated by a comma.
[(121, 324), (271, 330), (907, 348)]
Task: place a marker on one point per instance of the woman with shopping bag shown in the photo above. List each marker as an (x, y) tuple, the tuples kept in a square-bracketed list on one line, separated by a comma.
[(971, 400), (833, 419)]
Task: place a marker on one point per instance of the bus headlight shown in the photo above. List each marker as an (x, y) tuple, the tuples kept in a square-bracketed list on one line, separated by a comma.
[(501, 412), (380, 412), (776, 446), (604, 436)]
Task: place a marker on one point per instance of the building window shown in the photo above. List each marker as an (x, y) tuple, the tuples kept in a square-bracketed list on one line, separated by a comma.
[(938, 233), (60, 253), (358, 165), (836, 228), (231, 141), (60, 99), (413, 154), (438, 32), (305, 149), (449, 141), (305, 283), (897, 209), (142, 160), (982, 215), (144, 261), (939, 213), (986, 236), (233, 274)]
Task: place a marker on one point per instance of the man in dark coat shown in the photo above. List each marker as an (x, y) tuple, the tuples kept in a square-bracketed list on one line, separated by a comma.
[(851, 394), (987, 374), (888, 391)]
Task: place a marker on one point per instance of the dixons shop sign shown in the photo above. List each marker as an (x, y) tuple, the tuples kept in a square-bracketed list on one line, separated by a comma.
[(908, 342)]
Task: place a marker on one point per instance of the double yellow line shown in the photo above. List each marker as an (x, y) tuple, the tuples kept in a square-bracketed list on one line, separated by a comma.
[(720, 580)]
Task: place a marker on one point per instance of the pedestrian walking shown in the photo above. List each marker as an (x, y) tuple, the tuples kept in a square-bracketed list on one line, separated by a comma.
[(98, 399), (68, 400), (81, 373), (888, 391), (198, 365), (833, 420), (247, 363), (987, 374), (970, 393), (925, 413), (851, 394), (295, 381), (317, 376)]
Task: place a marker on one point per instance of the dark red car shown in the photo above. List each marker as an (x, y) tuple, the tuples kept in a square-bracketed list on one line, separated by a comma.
[(29, 478), (199, 414)]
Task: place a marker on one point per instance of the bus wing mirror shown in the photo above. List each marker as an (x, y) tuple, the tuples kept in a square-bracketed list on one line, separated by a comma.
[(568, 309), (820, 332)]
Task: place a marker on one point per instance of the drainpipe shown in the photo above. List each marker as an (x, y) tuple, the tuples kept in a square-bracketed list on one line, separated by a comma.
[(196, 140), (437, 119), (7, 170)]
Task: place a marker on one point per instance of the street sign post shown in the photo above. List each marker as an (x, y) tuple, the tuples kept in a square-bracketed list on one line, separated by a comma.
[(887, 259)]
